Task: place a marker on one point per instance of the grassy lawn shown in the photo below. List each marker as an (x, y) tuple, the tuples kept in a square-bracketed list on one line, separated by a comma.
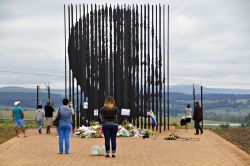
[(7, 130), (27, 114), (238, 136)]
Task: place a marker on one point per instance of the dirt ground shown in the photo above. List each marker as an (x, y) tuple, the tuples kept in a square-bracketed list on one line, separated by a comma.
[(210, 150), (238, 136)]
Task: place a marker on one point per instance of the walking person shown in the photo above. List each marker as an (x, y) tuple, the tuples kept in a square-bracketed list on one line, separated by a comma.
[(188, 116), (197, 117), (108, 118), (48, 115), (39, 116), (65, 113), (18, 116)]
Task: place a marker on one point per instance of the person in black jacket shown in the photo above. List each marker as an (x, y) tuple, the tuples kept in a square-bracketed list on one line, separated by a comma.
[(108, 118), (48, 115), (197, 117)]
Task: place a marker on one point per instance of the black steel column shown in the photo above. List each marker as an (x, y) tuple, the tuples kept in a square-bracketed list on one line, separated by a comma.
[(168, 66), (202, 104)]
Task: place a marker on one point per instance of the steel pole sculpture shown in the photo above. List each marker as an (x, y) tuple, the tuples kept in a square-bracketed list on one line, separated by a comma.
[(117, 51)]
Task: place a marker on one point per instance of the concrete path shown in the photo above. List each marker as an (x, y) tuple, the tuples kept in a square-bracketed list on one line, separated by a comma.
[(36, 150)]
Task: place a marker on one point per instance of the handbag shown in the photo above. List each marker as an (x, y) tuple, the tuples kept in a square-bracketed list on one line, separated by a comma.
[(56, 120)]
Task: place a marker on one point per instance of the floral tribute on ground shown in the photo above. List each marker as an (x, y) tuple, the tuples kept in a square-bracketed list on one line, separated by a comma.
[(124, 130)]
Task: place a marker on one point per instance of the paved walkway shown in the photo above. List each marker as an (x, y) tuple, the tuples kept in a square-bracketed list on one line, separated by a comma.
[(42, 150)]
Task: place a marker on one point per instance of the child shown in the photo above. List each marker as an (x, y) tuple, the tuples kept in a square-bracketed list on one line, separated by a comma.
[(39, 115)]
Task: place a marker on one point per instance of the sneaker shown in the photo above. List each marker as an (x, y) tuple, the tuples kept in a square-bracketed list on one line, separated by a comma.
[(113, 156), (107, 155)]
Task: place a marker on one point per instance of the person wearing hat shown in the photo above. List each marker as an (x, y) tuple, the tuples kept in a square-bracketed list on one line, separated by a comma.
[(18, 115)]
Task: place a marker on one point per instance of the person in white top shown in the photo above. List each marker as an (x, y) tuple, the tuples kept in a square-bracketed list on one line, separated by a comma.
[(188, 116), (39, 115)]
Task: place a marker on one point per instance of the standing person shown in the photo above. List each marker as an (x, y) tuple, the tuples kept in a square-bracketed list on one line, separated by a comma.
[(18, 115), (188, 116), (197, 117), (49, 114), (39, 115), (108, 117), (65, 125)]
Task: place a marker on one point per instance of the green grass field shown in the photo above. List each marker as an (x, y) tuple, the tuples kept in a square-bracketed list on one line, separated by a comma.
[(30, 115)]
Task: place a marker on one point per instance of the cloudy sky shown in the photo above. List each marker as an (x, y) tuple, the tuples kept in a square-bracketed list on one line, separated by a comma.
[(209, 42)]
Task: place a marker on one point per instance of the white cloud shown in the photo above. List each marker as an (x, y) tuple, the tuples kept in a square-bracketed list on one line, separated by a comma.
[(209, 40)]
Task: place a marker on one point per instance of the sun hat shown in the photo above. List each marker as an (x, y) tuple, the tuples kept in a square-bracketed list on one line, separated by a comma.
[(16, 103)]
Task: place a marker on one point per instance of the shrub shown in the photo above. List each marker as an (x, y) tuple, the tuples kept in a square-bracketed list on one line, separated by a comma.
[(224, 126)]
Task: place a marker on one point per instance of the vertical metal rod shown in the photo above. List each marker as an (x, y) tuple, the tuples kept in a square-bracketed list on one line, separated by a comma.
[(137, 66), (168, 66), (145, 65), (115, 51), (133, 63), (194, 96), (141, 63), (37, 95), (69, 11), (202, 104), (49, 92), (95, 62), (160, 66), (107, 76), (156, 68), (152, 64), (110, 52), (65, 57), (164, 92), (148, 63), (73, 79), (77, 106), (99, 71), (88, 60), (81, 108)]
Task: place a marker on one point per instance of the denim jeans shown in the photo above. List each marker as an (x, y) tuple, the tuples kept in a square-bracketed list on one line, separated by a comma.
[(64, 130), (197, 126), (110, 131), (40, 124)]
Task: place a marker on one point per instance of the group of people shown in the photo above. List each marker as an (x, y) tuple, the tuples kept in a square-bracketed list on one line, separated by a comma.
[(108, 119), (48, 114), (197, 117), (18, 116)]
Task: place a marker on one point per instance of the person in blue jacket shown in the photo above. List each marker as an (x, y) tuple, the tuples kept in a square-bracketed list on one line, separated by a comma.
[(64, 128)]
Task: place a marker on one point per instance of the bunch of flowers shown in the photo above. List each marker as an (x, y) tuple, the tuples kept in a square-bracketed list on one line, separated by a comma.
[(124, 130), (172, 136), (89, 132)]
